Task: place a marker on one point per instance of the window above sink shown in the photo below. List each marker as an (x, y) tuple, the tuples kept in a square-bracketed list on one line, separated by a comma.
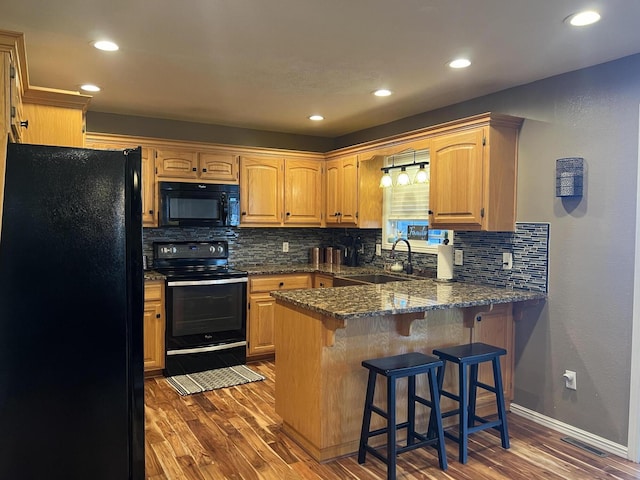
[(406, 207)]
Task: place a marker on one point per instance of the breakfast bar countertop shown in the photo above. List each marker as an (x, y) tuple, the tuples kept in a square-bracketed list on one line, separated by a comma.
[(393, 298)]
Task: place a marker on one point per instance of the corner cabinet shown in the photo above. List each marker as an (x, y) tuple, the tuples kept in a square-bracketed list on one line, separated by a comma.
[(353, 194), (473, 175), (281, 191), (154, 326)]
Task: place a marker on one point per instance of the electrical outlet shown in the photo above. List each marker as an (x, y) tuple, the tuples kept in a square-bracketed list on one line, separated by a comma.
[(378, 249), (570, 381), (507, 260), (457, 257), (285, 247)]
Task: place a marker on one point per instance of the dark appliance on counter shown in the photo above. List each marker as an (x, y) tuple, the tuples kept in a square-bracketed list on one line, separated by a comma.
[(351, 251), (199, 204), (206, 302), (71, 315)]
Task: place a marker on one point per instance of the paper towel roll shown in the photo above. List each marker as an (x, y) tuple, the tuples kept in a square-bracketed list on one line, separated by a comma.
[(445, 262)]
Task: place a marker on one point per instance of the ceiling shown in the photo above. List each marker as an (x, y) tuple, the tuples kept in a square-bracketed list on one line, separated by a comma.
[(268, 65)]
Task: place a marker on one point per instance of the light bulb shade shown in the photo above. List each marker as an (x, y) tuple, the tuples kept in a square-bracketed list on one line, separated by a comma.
[(403, 178), (421, 176), (386, 180)]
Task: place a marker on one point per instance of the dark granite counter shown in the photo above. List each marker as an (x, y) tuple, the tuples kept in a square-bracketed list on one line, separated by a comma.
[(153, 275), (276, 269), (400, 297)]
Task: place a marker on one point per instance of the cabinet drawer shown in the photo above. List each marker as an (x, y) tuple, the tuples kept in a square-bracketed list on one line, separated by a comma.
[(279, 282), (153, 291)]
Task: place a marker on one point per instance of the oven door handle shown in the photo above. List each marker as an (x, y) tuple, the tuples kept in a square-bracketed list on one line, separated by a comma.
[(221, 281)]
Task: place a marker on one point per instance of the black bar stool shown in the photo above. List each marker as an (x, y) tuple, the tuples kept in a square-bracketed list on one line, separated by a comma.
[(472, 355), (407, 365)]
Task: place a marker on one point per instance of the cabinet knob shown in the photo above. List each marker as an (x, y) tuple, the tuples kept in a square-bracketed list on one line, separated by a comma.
[(24, 123), (243, 213), (158, 315), (282, 284), (150, 212), (479, 318), (204, 170), (194, 169), (430, 212), (288, 214)]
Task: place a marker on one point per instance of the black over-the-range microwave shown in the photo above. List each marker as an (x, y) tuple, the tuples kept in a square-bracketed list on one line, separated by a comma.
[(185, 204)]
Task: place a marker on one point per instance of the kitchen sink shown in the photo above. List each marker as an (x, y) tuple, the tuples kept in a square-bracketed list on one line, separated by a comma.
[(374, 278)]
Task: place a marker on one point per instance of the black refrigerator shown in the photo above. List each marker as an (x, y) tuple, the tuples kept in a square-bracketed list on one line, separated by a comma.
[(71, 310)]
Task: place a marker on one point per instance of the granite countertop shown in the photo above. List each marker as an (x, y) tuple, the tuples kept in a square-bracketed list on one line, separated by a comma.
[(153, 275), (411, 296), (329, 269)]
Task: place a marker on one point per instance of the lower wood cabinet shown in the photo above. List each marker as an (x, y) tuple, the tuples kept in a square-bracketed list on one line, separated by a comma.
[(322, 281), (261, 309), (154, 326), (496, 328)]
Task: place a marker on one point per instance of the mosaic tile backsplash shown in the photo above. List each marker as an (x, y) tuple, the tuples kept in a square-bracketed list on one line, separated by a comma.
[(529, 245)]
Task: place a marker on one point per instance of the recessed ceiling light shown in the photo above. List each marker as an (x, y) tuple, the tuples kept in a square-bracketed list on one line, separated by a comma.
[(87, 87), (582, 19), (459, 63), (316, 118), (106, 45), (383, 92)]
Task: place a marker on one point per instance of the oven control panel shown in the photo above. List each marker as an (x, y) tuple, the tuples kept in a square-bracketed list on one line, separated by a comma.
[(191, 250)]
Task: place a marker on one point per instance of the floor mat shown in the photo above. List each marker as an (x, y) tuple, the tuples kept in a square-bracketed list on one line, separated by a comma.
[(213, 379)]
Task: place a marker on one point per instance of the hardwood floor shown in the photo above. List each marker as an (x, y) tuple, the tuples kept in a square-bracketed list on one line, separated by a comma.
[(234, 433)]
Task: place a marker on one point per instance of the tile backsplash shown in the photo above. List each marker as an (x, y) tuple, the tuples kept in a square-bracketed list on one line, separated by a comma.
[(529, 245)]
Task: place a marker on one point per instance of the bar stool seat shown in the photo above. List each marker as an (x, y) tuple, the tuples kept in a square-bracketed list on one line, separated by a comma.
[(471, 355), (399, 366)]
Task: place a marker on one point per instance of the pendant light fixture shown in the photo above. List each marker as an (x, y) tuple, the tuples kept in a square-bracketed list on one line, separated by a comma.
[(403, 178)]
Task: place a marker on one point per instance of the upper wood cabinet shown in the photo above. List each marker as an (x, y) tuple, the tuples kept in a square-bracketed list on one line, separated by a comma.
[(149, 196), (473, 176), (184, 165), (280, 191), (352, 191)]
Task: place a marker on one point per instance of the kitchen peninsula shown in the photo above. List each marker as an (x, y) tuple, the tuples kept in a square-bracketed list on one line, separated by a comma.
[(323, 335)]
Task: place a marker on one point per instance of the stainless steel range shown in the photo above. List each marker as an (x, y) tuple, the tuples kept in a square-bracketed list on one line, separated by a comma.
[(206, 306)]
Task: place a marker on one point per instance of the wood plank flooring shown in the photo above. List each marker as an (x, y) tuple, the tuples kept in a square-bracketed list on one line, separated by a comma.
[(234, 433)]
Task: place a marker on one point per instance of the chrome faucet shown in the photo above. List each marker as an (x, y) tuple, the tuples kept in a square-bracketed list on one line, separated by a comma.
[(408, 268)]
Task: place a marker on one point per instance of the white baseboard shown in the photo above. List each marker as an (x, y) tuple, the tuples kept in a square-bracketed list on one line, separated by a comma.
[(582, 435)]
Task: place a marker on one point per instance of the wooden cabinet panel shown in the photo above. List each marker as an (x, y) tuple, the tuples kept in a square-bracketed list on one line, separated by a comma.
[(473, 175), (149, 206), (303, 192), (51, 125), (261, 309), (496, 328), (262, 323), (456, 179), (218, 166), (353, 197), (177, 164), (261, 187), (322, 281), (154, 326)]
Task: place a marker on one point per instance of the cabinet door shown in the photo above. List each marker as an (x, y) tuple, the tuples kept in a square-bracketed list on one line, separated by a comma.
[(261, 324), (261, 191), (333, 177), (52, 125), (322, 281), (456, 190), (149, 217), (496, 328), (221, 167), (176, 164), (154, 326), (349, 191), (303, 192)]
